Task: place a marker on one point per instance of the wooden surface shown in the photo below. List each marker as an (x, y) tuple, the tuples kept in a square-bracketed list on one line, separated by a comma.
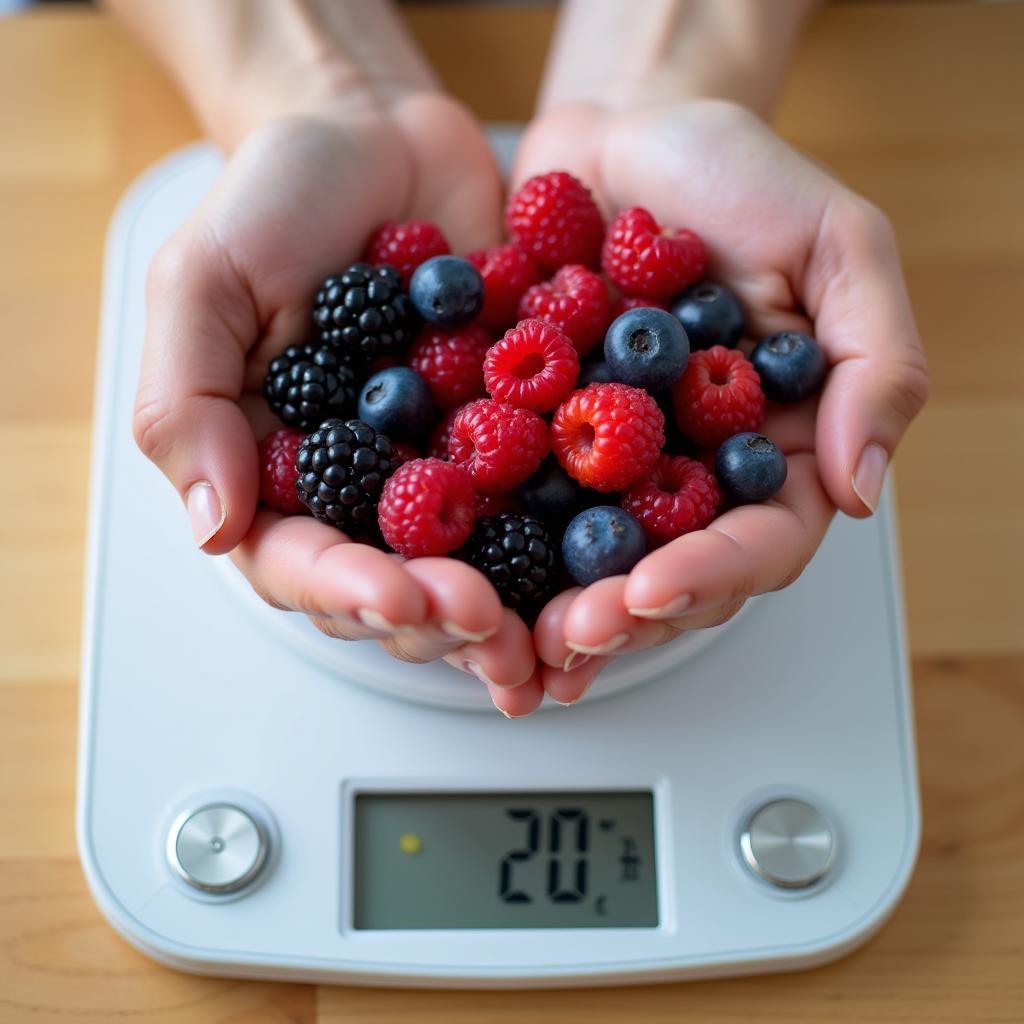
[(917, 105)]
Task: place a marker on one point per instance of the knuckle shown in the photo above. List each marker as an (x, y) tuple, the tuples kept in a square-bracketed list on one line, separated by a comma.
[(726, 612), (794, 574), (868, 222), (324, 625), (168, 267), (153, 426), (910, 385)]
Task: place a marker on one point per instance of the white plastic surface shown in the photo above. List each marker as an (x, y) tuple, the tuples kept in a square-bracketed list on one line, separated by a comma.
[(188, 690)]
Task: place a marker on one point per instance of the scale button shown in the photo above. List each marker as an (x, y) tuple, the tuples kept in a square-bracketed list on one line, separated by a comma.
[(218, 848), (788, 843)]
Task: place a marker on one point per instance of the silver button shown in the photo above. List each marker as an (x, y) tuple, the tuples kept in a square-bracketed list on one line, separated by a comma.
[(218, 848), (788, 843)]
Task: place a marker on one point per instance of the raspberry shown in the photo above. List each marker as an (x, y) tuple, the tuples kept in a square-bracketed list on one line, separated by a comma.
[(406, 246), (428, 507), (643, 258), (277, 471), (718, 395), (574, 300), (452, 363), (533, 367), (499, 444), (678, 496), (555, 219), (438, 447), (624, 303), (507, 272), (608, 435)]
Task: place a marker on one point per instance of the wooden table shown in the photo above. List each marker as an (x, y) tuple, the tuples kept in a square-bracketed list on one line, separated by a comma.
[(919, 106)]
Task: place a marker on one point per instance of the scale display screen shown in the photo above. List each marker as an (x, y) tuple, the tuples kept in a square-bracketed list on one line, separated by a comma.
[(505, 860)]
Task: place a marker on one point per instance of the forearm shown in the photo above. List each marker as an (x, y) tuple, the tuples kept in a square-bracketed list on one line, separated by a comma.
[(623, 55), (240, 62)]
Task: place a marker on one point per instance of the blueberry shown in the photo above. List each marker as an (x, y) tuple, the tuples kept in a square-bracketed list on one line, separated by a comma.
[(647, 348), (447, 291), (595, 373), (792, 366), (711, 315), (750, 467), (397, 402), (553, 496), (602, 541)]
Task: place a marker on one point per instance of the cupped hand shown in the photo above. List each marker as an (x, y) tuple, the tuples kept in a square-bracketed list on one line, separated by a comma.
[(803, 253), (296, 202)]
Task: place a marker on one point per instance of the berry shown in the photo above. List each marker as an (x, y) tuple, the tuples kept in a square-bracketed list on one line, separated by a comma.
[(710, 315), (516, 553), (507, 271), (406, 246), (428, 508), (438, 446), (602, 541), (608, 435), (553, 496), (397, 402), (626, 302), (404, 453), (500, 445), (643, 259), (718, 395), (341, 470), (533, 367), (307, 384), (365, 313), (678, 496), (574, 300), (646, 348), (452, 363), (597, 372), (447, 291), (750, 467), (792, 366), (277, 471), (555, 219)]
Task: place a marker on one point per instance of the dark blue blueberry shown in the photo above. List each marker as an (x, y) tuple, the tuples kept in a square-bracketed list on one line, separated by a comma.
[(646, 348), (553, 496), (447, 290), (750, 467), (397, 402), (602, 541), (792, 366), (711, 315), (595, 373)]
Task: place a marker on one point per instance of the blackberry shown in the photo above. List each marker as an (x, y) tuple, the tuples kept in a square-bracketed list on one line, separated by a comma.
[(365, 312), (341, 470), (307, 384), (517, 554)]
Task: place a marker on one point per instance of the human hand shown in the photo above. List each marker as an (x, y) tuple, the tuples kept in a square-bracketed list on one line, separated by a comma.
[(803, 253)]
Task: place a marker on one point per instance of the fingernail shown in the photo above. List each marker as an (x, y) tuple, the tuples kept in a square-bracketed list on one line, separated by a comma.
[(666, 611), (583, 693), (474, 669), (869, 475), (505, 713), (607, 647), (206, 512), (374, 619), (456, 632), (575, 660)]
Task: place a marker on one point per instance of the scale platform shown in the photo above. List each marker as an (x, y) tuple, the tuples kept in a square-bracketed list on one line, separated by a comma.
[(257, 800)]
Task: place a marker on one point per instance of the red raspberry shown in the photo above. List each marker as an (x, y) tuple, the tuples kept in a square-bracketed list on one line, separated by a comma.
[(438, 447), (624, 303), (405, 452), (533, 367), (452, 363), (678, 496), (277, 471), (492, 504), (574, 300), (507, 272), (718, 395), (643, 258), (608, 435), (406, 246), (499, 444), (555, 219), (427, 507)]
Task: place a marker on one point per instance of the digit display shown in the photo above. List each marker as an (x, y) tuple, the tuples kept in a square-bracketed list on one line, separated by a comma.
[(504, 860)]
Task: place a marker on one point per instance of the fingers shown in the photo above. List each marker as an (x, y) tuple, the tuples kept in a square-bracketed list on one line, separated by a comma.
[(878, 380), (569, 688), (504, 660), (186, 418), (521, 700)]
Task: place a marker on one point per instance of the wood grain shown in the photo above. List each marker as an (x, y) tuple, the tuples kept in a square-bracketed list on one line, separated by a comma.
[(915, 104)]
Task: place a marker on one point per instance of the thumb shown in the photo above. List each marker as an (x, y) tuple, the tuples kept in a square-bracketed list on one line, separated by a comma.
[(200, 321)]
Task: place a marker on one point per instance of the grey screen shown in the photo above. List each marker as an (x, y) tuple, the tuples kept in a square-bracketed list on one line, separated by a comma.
[(505, 860)]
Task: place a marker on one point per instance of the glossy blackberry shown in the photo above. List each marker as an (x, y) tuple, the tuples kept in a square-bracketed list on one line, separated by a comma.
[(517, 554), (365, 312), (341, 470), (307, 384)]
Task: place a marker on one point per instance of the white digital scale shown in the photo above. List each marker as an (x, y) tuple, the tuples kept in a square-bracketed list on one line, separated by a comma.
[(255, 799)]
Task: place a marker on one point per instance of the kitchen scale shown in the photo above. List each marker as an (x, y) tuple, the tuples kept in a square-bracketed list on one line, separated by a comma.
[(255, 799)]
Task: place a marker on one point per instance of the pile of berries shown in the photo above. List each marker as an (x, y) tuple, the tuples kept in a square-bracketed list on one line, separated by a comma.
[(548, 410)]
